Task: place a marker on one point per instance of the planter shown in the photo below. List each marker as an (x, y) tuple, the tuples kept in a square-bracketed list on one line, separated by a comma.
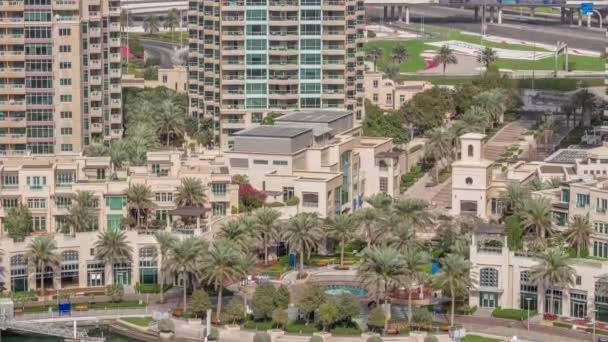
[(417, 336), (323, 334), (232, 327), (275, 333), (165, 336), (342, 268)]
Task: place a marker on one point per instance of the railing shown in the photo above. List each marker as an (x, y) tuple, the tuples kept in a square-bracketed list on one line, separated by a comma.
[(89, 313), (489, 250)]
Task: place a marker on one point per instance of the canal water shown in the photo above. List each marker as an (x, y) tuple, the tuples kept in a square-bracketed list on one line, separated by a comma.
[(110, 337)]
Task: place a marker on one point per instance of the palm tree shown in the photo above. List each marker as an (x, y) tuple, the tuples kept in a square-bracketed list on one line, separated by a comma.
[(139, 196), (439, 147), (170, 120), (42, 253), (223, 263), (380, 201), (414, 263), (553, 270), (579, 233), (184, 258), (494, 102), (584, 102), (342, 228), (172, 20), (165, 241), (380, 267), (403, 237), (266, 227), (475, 119), (82, 215), (517, 195), (374, 55), (454, 273), (399, 54), (367, 219), (125, 20), (190, 193), (415, 211), (151, 24), (112, 247), (303, 234), (487, 56), (445, 56), (536, 215), (234, 231)]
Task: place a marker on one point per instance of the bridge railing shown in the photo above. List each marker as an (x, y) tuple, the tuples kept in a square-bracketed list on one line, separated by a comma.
[(84, 314)]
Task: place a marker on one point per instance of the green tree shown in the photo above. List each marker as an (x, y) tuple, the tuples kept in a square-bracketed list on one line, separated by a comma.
[(439, 148), (139, 198), (380, 201), (311, 298), (224, 262), (172, 20), (455, 275), (348, 307), (367, 219), (263, 303), (112, 247), (494, 102), (463, 97), (515, 233), (328, 315), (445, 56), (428, 109), (414, 263), (487, 57), (303, 234), (415, 211), (553, 271), (183, 258), (374, 55), (281, 298), (266, 227), (235, 231), (200, 303), (125, 20), (536, 216), (376, 319), (399, 54), (171, 120), (234, 311), (585, 103), (378, 123), (342, 228), (165, 241), (191, 193), (579, 233), (115, 292), (151, 24), (18, 222), (422, 316), (42, 253), (517, 195), (82, 215), (279, 317)]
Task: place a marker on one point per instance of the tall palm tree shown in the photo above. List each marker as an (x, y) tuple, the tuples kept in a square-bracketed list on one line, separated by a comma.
[(415, 211), (266, 227), (367, 219), (223, 263), (494, 102), (42, 253), (234, 231), (536, 215), (374, 55), (517, 195), (553, 271), (476, 119), (184, 258), (584, 102), (165, 241), (170, 120), (380, 201), (439, 147), (303, 234), (445, 56), (399, 54), (380, 267), (139, 196), (191, 193), (579, 233), (487, 56), (82, 215), (403, 237), (342, 228), (414, 263), (151, 24), (454, 273), (112, 247), (172, 20)]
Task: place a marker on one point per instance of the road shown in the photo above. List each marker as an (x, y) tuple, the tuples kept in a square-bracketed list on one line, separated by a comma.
[(161, 50), (541, 30)]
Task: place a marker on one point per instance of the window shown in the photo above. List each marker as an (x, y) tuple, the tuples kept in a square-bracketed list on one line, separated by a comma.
[(389, 98), (488, 277), (66, 130), (578, 280), (470, 150), (469, 180), (601, 205), (218, 208), (310, 59), (63, 202), (600, 249), (498, 206), (65, 81), (582, 200), (310, 44), (148, 265), (288, 192), (375, 98), (66, 115), (39, 223), (65, 32), (11, 181), (65, 48), (310, 199), (101, 173), (600, 227), (279, 162), (310, 88), (115, 202), (65, 98), (66, 147), (36, 203), (401, 99), (164, 197), (65, 179), (161, 215), (10, 202), (218, 189), (65, 65), (375, 83), (384, 184), (260, 162)]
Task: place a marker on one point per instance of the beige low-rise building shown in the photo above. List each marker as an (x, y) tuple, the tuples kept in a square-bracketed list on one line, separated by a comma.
[(47, 186), (388, 94), (175, 78)]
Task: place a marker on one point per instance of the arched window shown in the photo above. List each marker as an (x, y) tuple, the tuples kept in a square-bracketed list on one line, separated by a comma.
[(470, 150), (469, 180), (488, 277)]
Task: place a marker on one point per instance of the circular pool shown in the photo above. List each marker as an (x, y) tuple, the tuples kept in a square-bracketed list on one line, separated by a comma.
[(335, 290)]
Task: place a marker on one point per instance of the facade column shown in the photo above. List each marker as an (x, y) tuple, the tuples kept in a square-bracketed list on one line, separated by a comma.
[(571, 16), (499, 15), (407, 15), (385, 12), (562, 12), (492, 15), (399, 12), (580, 18), (392, 13), (588, 21), (476, 11)]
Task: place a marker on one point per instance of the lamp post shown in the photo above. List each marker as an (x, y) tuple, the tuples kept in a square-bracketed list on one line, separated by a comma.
[(528, 306), (594, 311)]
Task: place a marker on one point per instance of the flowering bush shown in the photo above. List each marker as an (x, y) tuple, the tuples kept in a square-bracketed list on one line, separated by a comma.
[(250, 198), (549, 316)]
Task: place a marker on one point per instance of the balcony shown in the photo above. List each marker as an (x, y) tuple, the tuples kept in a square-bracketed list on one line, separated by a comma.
[(332, 5), (283, 20), (114, 42), (233, 123), (95, 96), (283, 5), (95, 112), (96, 127), (94, 32), (12, 56), (11, 21), (283, 79), (95, 80), (12, 39), (116, 133), (116, 119), (114, 11), (115, 73), (11, 6), (284, 35), (232, 94), (13, 139), (12, 89), (13, 122), (95, 48), (116, 103), (94, 64), (115, 58), (12, 105), (283, 94), (13, 72), (115, 88), (94, 15)]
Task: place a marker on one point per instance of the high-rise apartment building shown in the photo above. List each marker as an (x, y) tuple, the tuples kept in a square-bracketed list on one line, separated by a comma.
[(249, 58), (60, 69)]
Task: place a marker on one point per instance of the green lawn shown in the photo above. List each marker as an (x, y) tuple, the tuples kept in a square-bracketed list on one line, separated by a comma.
[(141, 321), (258, 325), (175, 37), (477, 338)]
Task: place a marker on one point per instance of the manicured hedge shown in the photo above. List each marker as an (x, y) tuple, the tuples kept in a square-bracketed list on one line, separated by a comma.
[(515, 314), (597, 331), (562, 325), (258, 325)]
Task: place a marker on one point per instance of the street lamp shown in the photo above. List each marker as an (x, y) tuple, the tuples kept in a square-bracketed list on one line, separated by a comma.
[(594, 311), (528, 305)]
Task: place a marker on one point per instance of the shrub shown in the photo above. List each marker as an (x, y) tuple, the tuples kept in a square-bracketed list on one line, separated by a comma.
[(515, 314), (261, 337), (371, 34), (300, 327), (166, 325), (258, 325), (115, 292), (597, 331), (279, 317), (374, 339), (562, 325), (405, 331), (234, 311), (294, 200), (316, 338), (200, 303), (422, 316), (431, 338), (351, 329), (263, 301), (376, 318)]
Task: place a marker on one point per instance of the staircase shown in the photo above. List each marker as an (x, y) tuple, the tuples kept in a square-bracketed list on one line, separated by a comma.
[(48, 330)]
